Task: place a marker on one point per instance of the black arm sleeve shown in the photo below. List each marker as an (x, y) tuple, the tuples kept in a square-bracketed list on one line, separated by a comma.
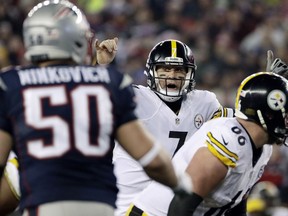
[(238, 210), (184, 204)]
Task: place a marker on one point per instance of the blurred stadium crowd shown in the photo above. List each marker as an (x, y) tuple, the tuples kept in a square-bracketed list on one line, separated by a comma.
[(229, 38)]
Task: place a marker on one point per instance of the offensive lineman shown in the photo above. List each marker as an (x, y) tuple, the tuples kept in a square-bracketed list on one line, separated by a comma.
[(227, 156)]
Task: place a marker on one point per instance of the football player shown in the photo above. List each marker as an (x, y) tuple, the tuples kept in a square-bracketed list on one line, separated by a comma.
[(226, 156), (170, 107), (63, 116), (10, 191)]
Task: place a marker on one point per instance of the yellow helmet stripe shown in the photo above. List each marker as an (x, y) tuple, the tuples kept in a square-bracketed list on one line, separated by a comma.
[(243, 83), (173, 48)]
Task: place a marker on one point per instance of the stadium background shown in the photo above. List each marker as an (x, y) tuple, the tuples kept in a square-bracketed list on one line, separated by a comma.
[(229, 39)]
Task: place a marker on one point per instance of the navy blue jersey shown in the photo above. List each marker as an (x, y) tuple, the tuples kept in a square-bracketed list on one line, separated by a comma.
[(63, 120)]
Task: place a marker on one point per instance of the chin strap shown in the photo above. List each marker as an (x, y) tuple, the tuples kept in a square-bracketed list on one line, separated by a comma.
[(261, 119)]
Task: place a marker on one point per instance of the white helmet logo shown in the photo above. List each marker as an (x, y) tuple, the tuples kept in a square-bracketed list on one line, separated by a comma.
[(276, 99)]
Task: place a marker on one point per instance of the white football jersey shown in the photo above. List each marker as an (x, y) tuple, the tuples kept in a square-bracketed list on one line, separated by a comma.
[(170, 129), (12, 174), (230, 143)]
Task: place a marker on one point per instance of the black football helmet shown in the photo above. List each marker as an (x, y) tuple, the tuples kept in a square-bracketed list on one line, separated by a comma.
[(262, 98), (173, 53)]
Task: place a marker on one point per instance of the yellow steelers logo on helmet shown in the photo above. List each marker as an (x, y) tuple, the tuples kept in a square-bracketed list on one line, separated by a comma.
[(276, 99)]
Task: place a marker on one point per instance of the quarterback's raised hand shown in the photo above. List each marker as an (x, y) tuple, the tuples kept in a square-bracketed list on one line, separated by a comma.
[(105, 51)]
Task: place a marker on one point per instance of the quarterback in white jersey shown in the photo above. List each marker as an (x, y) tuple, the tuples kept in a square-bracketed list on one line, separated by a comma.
[(172, 119), (227, 156)]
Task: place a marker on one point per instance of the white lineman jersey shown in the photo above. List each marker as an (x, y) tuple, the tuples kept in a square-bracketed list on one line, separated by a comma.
[(170, 129), (229, 142)]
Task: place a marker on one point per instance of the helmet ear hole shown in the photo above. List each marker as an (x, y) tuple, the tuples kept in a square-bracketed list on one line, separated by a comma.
[(79, 44)]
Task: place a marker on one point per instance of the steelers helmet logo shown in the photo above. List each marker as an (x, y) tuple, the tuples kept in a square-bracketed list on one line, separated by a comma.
[(276, 99)]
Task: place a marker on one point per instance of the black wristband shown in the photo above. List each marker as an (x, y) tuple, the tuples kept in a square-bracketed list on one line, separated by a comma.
[(184, 205)]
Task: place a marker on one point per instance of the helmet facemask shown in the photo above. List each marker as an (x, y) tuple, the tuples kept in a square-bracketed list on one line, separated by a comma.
[(277, 134), (172, 88), (285, 139), (281, 133)]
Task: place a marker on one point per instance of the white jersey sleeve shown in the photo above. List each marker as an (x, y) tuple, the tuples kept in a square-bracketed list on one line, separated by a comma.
[(12, 174)]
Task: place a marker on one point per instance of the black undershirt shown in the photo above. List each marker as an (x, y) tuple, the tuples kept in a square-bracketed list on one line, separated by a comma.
[(174, 106)]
